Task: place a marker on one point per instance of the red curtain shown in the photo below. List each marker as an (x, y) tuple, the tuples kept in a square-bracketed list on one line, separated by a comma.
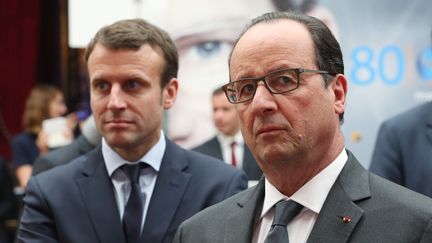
[(19, 47)]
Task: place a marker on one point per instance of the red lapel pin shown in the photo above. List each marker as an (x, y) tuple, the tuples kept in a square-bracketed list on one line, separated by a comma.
[(345, 219)]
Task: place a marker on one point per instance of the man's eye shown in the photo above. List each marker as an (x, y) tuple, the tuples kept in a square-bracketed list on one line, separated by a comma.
[(281, 83), (209, 48), (246, 90), (284, 80), (102, 86), (132, 85)]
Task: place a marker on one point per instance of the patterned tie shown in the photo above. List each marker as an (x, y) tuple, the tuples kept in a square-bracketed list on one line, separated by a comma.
[(233, 157), (284, 212), (133, 212)]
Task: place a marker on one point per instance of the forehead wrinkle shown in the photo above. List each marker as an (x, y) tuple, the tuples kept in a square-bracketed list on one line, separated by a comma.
[(109, 64)]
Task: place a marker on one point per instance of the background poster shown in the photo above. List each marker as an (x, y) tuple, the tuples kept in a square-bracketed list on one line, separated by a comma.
[(386, 46), (388, 61)]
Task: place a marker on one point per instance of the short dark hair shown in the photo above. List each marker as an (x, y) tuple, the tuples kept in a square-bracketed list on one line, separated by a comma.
[(132, 34), (328, 53)]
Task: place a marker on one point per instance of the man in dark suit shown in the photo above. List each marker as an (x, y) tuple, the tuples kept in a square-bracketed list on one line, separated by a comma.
[(403, 149), (228, 144), (287, 82), (86, 141), (137, 186)]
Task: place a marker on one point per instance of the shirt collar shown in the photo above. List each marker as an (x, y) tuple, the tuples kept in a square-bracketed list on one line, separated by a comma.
[(153, 157), (311, 195), (227, 140)]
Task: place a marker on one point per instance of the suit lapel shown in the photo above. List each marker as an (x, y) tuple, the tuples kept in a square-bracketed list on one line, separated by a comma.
[(351, 186), (217, 149), (246, 215), (169, 188), (98, 196), (83, 145)]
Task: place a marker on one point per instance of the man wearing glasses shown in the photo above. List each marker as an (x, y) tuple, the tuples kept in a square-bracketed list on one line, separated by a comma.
[(289, 87)]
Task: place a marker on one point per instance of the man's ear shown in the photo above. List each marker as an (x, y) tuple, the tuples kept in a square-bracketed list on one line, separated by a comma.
[(169, 93), (339, 87)]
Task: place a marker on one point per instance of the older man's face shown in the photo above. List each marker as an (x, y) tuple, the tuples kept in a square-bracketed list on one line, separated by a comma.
[(291, 127)]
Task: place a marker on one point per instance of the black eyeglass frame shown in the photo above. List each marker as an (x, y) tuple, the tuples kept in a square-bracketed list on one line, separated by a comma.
[(298, 71)]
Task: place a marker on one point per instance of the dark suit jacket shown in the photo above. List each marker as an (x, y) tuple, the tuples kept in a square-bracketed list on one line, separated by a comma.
[(403, 150), (76, 203), (213, 148), (62, 155), (8, 201), (380, 211)]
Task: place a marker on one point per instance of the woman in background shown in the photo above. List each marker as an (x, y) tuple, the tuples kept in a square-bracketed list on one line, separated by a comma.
[(44, 102)]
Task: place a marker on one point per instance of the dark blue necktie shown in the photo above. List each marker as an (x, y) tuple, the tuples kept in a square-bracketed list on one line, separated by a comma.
[(133, 212), (284, 212)]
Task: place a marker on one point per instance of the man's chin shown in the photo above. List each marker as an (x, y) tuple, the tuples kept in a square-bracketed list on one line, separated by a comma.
[(275, 153), (118, 141)]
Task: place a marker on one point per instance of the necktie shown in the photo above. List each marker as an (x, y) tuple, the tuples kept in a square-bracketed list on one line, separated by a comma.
[(133, 212), (233, 157), (284, 212)]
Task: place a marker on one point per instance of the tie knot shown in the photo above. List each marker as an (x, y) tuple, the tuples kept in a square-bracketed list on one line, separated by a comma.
[(285, 211), (233, 144), (133, 171)]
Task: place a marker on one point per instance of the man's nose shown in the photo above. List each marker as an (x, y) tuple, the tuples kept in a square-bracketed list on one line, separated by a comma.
[(263, 101), (116, 100)]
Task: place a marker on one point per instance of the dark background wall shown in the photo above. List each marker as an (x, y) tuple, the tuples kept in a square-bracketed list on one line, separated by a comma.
[(33, 49)]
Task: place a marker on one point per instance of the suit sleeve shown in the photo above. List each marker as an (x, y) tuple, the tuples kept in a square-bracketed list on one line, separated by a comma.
[(23, 152), (41, 164), (427, 235), (36, 224), (178, 235), (386, 158)]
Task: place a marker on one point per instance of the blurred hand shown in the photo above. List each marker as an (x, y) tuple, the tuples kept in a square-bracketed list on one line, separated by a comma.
[(72, 120), (42, 142)]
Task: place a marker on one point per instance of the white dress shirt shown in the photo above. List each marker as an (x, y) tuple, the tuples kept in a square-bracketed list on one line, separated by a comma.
[(311, 196), (225, 143), (147, 180)]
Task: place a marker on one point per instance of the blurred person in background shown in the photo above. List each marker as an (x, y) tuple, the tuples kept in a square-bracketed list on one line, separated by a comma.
[(403, 149), (44, 102), (86, 141), (228, 144)]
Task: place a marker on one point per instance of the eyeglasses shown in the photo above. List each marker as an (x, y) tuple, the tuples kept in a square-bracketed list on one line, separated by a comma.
[(277, 82)]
